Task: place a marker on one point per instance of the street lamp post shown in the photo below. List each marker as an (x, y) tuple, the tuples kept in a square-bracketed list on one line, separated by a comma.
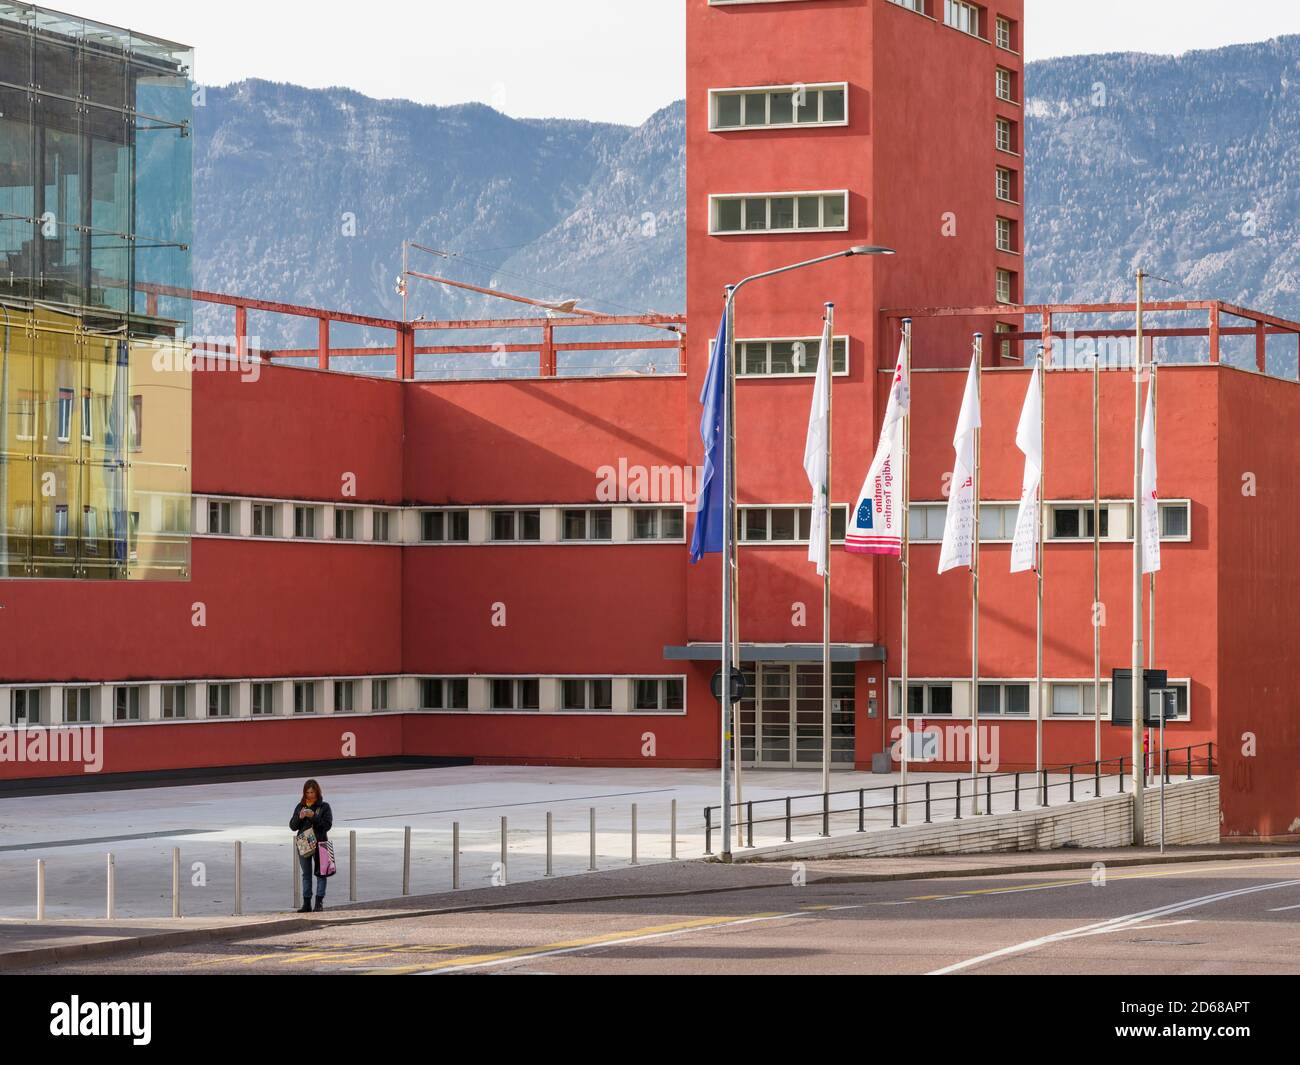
[(730, 614)]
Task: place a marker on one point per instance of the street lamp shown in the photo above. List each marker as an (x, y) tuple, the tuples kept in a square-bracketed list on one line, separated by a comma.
[(729, 599)]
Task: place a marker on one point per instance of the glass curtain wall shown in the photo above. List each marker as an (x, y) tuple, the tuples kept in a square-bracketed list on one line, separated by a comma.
[(95, 231)]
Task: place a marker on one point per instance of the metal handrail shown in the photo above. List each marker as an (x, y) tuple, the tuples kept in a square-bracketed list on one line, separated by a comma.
[(1041, 787)]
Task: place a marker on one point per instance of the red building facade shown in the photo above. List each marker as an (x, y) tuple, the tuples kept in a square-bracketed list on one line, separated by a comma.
[(497, 570)]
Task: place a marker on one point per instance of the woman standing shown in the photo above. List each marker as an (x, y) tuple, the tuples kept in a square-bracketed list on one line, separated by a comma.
[(312, 814)]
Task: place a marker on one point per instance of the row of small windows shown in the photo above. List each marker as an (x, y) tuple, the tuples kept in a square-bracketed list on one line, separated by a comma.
[(779, 106), (1065, 521), (776, 358), (1064, 699), (968, 18), (576, 694), (779, 213), (34, 417), (786, 525)]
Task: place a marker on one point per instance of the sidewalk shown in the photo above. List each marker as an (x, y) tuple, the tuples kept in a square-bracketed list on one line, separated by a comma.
[(26, 944)]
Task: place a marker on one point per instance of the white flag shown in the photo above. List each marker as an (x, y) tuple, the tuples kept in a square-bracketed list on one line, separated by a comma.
[(1024, 548), (815, 455), (877, 525), (1150, 501), (959, 528)]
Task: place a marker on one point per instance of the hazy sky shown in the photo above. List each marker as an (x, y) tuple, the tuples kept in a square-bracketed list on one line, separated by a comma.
[(612, 60)]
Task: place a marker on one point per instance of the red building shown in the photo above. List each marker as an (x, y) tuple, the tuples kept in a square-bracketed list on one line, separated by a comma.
[(497, 569)]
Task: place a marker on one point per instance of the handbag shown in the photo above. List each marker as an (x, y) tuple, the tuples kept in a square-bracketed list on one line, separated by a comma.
[(305, 841), (325, 856)]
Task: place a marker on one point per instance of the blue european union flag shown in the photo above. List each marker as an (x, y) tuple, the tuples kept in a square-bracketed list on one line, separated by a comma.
[(710, 515)]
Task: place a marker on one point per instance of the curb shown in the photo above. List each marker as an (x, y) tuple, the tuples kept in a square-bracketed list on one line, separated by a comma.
[(126, 945)]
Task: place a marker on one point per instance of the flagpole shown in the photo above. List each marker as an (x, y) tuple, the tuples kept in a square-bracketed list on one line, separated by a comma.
[(975, 597), (1042, 543), (728, 536), (905, 559), (1151, 618), (1137, 684), (1096, 553), (829, 330)]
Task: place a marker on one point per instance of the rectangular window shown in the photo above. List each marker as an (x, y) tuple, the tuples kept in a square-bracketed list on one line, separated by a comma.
[(90, 529), (912, 5), (1006, 235), (304, 523), (768, 213), (444, 526), (76, 706), (962, 16), (511, 693), (135, 427), (1006, 184), (126, 703), (219, 700), (264, 519), (1006, 134), (517, 525), (345, 696), (87, 416), (794, 357), (656, 693), (345, 523), (379, 694), (1175, 521), (1004, 33), (64, 419), (26, 427), (658, 523), (218, 518), (263, 699), (1075, 522), (173, 700), (587, 525), (779, 106), (379, 525), (60, 530), (1004, 700), (587, 694), (1006, 285), (1005, 85), (304, 697), (25, 706), (1005, 350)]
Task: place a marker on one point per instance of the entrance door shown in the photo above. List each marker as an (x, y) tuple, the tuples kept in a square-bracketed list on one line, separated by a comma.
[(781, 723)]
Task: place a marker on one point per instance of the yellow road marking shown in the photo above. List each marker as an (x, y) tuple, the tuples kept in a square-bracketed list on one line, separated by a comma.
[(1180, 871), (576, 944)]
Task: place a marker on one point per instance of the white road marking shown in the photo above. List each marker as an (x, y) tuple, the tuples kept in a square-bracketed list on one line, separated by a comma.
[(1283, 909), (1114, 924)]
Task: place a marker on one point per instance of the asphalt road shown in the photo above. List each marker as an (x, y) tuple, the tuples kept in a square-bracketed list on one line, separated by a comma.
[(1232, 917)]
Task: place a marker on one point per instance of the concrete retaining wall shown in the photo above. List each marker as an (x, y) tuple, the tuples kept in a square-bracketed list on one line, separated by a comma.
[(1191, 816)]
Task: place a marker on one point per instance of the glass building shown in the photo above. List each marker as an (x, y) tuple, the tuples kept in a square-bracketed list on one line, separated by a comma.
[(95, 221)]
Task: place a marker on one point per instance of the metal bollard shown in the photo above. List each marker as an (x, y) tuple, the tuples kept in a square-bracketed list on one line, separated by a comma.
[(672, 832), (455, 856), (826, 813), (406, 860), (550, 841), (749, 820), (503, 852), (1017, 793), (176, 881), (592, 816), (295, 876), (633, 862), (958, 814), (1044, 786), (239, 878), (895, 805), (40, 889), (787, 819), (352, 865), (708, 830), (1072, 783), (862, 809), (927, 802), (110, 884)]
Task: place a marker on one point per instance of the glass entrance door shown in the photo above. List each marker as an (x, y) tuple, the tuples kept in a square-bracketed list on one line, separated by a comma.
[(781, 722)]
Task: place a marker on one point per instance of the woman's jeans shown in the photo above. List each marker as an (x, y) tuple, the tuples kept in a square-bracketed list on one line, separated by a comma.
[(306, 865)]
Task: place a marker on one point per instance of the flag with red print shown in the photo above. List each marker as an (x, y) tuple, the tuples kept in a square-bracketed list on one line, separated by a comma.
[(876, 525), (959, 529)]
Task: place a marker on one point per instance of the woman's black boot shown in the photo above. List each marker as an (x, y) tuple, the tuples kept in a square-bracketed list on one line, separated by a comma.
[(320, 903), (306, 904)]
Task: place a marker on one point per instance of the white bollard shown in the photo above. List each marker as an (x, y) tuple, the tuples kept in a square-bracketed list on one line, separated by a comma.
[(455, 856), (239, 879), (549, 844), (295, 876), (504, 856), (633, 834), (672, 833), (110, 901), (40, 889), (406, 861), (352, 865), (176, 882)]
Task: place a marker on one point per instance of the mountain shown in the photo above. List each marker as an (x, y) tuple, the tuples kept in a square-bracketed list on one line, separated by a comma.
[(1184, 165), (305, 196)]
